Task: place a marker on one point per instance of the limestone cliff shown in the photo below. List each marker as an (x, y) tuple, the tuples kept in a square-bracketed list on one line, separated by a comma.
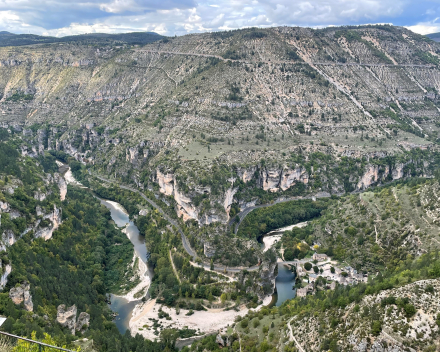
[(55, 219), (229, 199), (166, 182), (21, 294), (376, 173), (66, 317), (185, 207)]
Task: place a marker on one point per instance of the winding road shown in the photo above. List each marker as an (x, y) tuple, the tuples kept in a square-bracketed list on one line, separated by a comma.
[(185, 242)]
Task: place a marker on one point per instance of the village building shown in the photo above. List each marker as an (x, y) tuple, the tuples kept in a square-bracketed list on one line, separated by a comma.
[(320, 257)]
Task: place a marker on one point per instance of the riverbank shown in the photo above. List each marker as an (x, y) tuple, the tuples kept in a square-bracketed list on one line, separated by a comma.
[(271, 238), (204, 322), (141, 273)]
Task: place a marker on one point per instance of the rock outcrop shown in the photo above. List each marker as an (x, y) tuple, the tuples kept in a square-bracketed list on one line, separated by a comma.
[(376, 173), (55, 218), (166, 183), (67, 317), (229, 198), (185, 208), (219, 340), (274, 179), (290, 177), (83, 322), (4, 277), (21, 294), (62, 185)]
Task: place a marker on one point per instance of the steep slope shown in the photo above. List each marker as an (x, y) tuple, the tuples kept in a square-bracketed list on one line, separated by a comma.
[(380, 229), (220, 120), (397, 310)]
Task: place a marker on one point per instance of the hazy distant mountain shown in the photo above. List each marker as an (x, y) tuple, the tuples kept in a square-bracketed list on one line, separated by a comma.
[(434, 36), (11, 39)]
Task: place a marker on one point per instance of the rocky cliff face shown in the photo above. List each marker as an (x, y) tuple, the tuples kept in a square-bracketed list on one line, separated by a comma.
[(166, 183), (55, 219), (375, 174), (185, 207), (21, 294), (4, 277), (62, 185), (274, 179), (229, 199), (66, 317), (129, 120)]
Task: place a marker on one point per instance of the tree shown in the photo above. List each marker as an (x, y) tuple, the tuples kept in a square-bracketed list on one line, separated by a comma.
[(307, 266), (33, 347), (212, 265), (169, 336), (376, 327), (332, 270), (410, 310), (316, 269), (223, 298)]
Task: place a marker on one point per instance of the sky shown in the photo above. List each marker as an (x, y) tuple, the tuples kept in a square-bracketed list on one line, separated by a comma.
[(179, 17)]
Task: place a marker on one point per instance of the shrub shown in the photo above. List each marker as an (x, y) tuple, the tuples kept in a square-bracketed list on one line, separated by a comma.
[(376, 327), (410, 310)]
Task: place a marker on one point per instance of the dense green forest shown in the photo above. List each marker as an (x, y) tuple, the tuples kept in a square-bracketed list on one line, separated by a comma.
[(263, 220), (86, 258)]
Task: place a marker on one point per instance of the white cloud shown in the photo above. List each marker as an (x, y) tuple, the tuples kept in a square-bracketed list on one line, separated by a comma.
[(169, 17), (424, 28)]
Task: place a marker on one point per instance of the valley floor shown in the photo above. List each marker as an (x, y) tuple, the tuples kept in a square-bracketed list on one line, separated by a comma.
[(204, 322)]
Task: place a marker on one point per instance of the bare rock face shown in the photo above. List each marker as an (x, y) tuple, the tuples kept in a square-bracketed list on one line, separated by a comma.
[(270, 179), (4, 207), (219, 340), (62, 185), (274, 179), (132, 154), (83, 322), (40, 196), (21, 294), (229, 198), (166, 183), (290, 177), (369, 177), (4, 277), (56, 219), (67, 317), (247, 174), (185, 207), (375, 174)]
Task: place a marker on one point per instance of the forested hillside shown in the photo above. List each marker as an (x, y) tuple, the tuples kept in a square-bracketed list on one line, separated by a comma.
[(85, 258)]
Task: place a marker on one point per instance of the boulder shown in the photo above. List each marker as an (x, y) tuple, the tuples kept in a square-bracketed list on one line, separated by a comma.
[(21, 294)]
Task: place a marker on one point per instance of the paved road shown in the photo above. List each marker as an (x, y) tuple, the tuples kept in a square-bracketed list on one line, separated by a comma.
[(185, 242)]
